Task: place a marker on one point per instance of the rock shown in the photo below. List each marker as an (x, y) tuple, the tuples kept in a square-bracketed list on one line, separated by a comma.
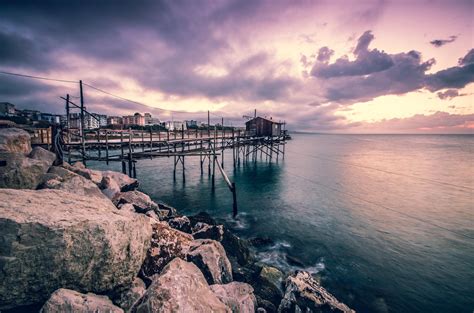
[(181, 287), (65, 300), (206, 231), (78, 165), (271, 275), (268, 285), (109, 187), (181, 223), (236, 248), (142, 202), (266, 305), (52, 239), (39, 153), (202, 217), (166, 244), (94, 176), (21, 172), (124, 181), (304, 294), (128, 297), (15, 140), (210, 257), (167, 211), (237, 296), (293, 261), (72, 182)]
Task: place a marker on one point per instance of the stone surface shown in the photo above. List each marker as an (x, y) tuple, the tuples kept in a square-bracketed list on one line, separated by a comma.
[(304, 294), (236, 248), (142, 202), (202, 217), (206, 231), (181, 223), (211, 258), (52, 239), (39, 153), (268, 285), (70, 301), (21, 172), (166, 244), (181, 287), (72, 182), (128, 297), (166, 210), (124, 181), (15, 140), (109, 187), (93, 175), (237, 296)]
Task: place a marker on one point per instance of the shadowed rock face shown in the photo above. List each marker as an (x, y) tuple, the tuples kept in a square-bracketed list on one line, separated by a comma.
[(237, 296), (54, 239), (304, 294), (180, 287), (65, 300), (128, 297)]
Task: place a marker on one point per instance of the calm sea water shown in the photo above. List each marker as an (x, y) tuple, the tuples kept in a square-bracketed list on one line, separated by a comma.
[(386, 221)]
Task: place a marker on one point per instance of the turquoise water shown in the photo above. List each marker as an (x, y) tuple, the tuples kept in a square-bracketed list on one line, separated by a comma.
[(386, 221)]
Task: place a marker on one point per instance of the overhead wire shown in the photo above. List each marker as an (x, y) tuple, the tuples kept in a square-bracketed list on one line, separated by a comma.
[(39, 77)]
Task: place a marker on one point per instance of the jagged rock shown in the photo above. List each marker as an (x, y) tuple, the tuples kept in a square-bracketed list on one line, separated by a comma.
[(181, 223), (53, 239), (78, 165), (142, 202), (304, 294), (15, 140), (93, 175), (124, 181), (39, 153), (166, 210), (181, 287), (261, 310), (21, 172), (236, 248), (206, 231), (266, 305), (71, 182), (109, 187), (210, 257), (237, 296), (128, 297), (166, 244), (69, 301), (268, 285), (202, 217)]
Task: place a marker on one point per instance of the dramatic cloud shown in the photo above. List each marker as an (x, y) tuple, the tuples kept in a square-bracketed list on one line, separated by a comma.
[(441, 42), (448, 94), (324, 54)]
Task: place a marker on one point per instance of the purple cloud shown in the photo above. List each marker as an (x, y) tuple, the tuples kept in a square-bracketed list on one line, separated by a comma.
[(441, 42)]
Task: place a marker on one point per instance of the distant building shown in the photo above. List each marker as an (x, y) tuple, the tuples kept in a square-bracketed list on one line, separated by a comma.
[(261, 126), (102, 119), (175, 125), (150, 120), (136, 119), (50, 118), (191, 123), (7, 109), (114, 120), (32, 115)]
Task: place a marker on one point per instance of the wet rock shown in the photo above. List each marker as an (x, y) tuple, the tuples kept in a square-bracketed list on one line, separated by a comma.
[(202, 217), (53, 239), (15, 140), (167, 211), (268, 285), (293, 261), (181, 223), (124, 181), (206, 231), (142, 202), (127, 298), (166, 244), (41, 154), (211, 258), (65, 300), (237, 296), (109, 187), (21, 172), (71, 182), (266, 305), (304, 294), (236, 248), (181, 287)]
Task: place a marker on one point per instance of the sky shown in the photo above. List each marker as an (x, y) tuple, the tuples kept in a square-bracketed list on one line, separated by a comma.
[(323, 66)]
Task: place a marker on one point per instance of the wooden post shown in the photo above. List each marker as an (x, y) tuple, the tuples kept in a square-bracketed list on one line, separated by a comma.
[(208, 124), (98, 143), (143, 141), (68, 119), (222, 143), (83, 138), (130, 152), (214, 158), (106, 147)]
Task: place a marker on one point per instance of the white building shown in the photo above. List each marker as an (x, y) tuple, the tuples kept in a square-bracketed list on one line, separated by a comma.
[(175, 125)]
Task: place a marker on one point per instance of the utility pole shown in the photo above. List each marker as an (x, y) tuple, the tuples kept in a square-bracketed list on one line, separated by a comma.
[(255, 113), (82, 125), (68, 119), (208, 124)]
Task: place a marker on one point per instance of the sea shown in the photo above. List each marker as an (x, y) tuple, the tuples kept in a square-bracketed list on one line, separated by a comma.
[(385, 222)]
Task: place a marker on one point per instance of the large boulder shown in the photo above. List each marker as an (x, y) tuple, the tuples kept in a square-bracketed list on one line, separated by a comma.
[(181, 223), (124, 181), (15, 140), (70, 301), (21, 172), (166, 244), (71, 182), (206, 231), (210, 257), (304, 294), (142, 202), (109, 187), (127, 297), (39, 153), (237, 296), (52, 239), (181, 287), (268, 285)]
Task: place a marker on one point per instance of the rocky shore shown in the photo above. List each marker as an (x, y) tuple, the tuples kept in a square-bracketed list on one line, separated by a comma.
[(74, 239)]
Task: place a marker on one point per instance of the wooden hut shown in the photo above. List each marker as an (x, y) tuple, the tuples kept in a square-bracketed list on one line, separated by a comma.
[(260, 126)]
